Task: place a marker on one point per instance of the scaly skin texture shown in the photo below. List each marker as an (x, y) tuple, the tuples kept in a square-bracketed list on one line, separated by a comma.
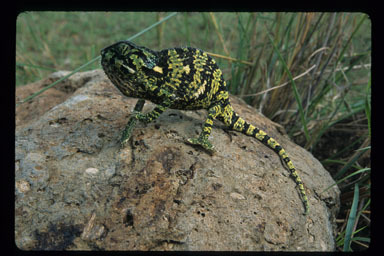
[(180, 78)]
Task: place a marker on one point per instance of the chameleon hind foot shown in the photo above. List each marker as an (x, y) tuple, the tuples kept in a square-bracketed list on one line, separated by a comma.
[(204, 143)]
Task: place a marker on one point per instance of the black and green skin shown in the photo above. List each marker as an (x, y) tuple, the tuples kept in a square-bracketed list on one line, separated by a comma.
[(182, 78)]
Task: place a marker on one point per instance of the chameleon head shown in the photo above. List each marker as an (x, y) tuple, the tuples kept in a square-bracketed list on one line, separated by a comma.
[(127, 60)]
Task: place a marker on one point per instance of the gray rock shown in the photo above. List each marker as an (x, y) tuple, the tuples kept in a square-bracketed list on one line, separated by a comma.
[(76, 190)]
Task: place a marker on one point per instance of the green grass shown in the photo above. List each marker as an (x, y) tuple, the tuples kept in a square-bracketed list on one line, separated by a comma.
[(309, 72)]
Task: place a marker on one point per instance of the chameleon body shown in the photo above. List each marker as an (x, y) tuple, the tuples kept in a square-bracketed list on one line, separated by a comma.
[(182, 78)]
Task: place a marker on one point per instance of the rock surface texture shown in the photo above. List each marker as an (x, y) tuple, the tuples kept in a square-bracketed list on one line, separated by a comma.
[(77, 190)]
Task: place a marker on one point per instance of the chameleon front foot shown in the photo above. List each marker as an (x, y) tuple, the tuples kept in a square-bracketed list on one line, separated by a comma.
[(128, 131), (204, 143)]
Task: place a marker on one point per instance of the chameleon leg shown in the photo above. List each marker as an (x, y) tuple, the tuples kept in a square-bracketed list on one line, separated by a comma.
[(131, 123), (137, 116), (202, 140)]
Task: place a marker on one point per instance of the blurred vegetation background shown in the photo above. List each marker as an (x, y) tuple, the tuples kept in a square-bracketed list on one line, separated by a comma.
[(309, 72)]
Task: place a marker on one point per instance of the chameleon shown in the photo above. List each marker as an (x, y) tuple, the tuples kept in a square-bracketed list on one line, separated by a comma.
[(183, 78)]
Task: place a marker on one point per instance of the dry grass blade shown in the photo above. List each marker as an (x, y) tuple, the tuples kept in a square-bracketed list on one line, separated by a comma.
[(214, 22), (281, 85), (229, 58)]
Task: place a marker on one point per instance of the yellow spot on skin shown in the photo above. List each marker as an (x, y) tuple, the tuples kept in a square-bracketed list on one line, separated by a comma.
[(201, 89), (227, 114), (186, 69), (259, 136), (283, 154), (207, 129), (262, 133), (158, 69), (290, 166), (238, 126), (250, 130), (272, 143)]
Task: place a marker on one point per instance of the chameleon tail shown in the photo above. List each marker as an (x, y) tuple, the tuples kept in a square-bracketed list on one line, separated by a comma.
[(239, 124)]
